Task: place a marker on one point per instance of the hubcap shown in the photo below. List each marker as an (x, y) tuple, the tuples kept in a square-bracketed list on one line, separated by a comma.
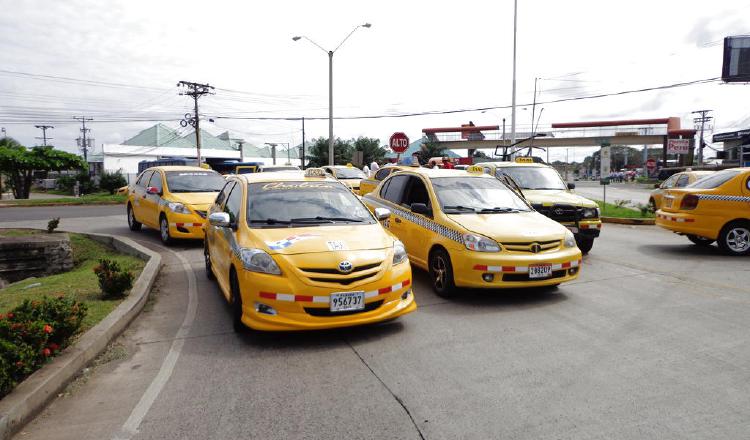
[(738, 239), (438, 272)]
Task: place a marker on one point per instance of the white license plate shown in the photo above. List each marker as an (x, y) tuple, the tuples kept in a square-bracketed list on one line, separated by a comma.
[(540, 271), (573, 229), (347, 301)]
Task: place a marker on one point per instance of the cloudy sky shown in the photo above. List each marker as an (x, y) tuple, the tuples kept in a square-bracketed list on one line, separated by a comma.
[(119, 62)]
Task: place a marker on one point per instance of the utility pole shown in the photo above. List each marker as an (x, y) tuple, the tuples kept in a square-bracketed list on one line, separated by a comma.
[(513, 105), (84, 130), (242, 152), (303, 142), (194, 90), (44, 133), (702, 119)]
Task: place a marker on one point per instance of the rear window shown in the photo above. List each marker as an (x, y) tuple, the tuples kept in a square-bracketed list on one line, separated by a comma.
[(715, 180), (194, 181)]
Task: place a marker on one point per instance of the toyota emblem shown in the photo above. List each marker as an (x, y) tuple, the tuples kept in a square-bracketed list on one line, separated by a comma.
[(559, 211), (536, 248), (345, 266)]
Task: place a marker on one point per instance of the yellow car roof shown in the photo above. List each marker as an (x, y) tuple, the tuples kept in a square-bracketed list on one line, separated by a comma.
[(178, 168), (442, 172), (287, 176)]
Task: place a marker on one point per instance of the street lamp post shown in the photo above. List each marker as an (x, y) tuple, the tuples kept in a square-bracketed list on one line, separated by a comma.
[(330, 84)]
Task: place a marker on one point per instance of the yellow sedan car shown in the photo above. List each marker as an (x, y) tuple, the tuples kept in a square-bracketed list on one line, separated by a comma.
[(173, 199), (715, 208), (366, 186), (471, 230), (347, 174), (299, 251), (678, 180)]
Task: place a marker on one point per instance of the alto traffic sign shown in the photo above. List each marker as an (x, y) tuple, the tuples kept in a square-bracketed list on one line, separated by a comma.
[(399, 142)]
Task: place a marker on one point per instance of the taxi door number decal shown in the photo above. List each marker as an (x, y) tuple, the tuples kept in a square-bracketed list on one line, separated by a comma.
[(337, 245)]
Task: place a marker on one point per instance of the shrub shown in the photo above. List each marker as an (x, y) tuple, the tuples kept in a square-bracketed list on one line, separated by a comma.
[(621, 203), (112, 181), (52, 224), (646, 209), (66, 183), (34, 332), (113, 280)]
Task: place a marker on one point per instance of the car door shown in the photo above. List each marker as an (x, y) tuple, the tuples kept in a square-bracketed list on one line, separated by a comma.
[(139, 194), (416, 236), (221, 247), (391, 192), (150, 202)]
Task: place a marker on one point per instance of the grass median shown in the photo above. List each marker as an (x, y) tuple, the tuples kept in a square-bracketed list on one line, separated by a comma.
[(611, 210), (79, 283), (88, 199)]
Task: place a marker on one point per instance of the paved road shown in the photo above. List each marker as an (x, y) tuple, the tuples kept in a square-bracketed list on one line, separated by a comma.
[(615, 191), (11, 214), (651, 342)]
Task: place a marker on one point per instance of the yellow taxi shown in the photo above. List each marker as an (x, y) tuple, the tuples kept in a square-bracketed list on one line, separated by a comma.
[(173, 199), (299, 251), (349, 175), (714, 208), (548, 193), (468, 229), (366, 186), (678, 180)]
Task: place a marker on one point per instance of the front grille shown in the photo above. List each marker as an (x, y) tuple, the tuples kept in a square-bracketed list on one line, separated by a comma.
[(201, 213), (525, 276), (326, 312), (331, 275), (560, 213), (338, 272), (528, 246), (343, 282)]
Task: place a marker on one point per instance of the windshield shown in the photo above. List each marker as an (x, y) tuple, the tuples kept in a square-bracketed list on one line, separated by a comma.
[(459, 195), (714, 180), (534, 177), (349, 173), (194, 181), (283, 204)]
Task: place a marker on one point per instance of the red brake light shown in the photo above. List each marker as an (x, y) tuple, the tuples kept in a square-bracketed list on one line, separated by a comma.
[(690, 201)]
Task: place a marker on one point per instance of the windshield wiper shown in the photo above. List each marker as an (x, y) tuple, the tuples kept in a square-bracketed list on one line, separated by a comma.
[(319, 219), (270, 221), (460, 208), (499, 210), (541, 188)]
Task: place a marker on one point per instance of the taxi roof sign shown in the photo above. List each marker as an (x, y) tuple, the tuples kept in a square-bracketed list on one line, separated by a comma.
[(475, 169), (315, 172), (525, 159)]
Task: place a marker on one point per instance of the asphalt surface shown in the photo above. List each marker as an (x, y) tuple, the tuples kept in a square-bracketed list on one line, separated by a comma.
[(615, 191), (651, 341), (13, 214)]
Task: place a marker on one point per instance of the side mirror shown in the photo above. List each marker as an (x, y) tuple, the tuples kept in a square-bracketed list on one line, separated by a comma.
[(657, 185), (571, 186), (382, 214), (220, 219), (152, 190), (420, 208)]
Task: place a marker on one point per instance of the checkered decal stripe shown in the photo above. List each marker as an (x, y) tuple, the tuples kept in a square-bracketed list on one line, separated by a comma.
[(325, 300), (723, 198), (421, 221), (675, 219), (525, 269)]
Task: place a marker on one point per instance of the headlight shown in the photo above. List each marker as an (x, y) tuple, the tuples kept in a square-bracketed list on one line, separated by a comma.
[(257, 260), (570, 240), (399, 252), (590, 212), (178, 208), (478, 243)]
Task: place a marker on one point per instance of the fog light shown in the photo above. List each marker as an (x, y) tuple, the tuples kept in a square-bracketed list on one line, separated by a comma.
[(488, 277), (572, 271), (405, 294), (264, 309)]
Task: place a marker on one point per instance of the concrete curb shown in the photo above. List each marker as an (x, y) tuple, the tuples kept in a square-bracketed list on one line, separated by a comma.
[(629, 221), (33, 394)]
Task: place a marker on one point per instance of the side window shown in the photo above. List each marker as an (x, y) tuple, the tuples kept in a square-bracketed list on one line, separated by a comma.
[(234, 203), (682, 181), (382, 174), (143, 178), (223, 194), (669, 183), (416, 192), (156, 181), (394, 192)]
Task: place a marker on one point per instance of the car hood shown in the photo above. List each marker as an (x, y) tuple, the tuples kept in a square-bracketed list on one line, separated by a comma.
[(196, 200), (291, 241), (512, 227), (556, 196)]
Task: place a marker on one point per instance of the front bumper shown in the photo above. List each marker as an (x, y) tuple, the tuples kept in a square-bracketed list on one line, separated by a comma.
[(188, 226), (586, 228), (512, 271), (683, 223), (299, 306)]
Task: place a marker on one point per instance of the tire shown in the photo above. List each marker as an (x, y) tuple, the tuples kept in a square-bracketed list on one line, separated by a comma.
[(234, 286), (441, 273), (207, 260), (734, 238), (652, 204), (133, 224), (164, 231), (700, 241), (584, 243)]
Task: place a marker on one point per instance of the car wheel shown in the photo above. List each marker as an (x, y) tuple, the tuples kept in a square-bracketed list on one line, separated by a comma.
[(441, 273), (133, 224), (734, 238), (234, 285), (652, 205), (207, 259), (164, 231), (584, 244), (700, 241)]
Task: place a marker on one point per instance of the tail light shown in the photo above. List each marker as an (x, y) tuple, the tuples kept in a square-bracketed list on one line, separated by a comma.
[(690, 201)]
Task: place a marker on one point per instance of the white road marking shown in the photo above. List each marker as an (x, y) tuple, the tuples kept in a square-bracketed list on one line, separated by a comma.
[(130, 428)]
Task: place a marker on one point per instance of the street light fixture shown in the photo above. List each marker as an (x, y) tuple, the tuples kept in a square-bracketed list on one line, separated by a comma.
[(330, 83)]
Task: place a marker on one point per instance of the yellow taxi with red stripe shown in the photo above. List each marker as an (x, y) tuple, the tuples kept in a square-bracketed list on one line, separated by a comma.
[(172, 199), (714, 208), (468, 229), (299, 251), (348, 174)]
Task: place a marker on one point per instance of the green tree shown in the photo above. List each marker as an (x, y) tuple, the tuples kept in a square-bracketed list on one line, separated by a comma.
[(112, 181), (318, 154), (430, 149), (371, 149), (18, 164)]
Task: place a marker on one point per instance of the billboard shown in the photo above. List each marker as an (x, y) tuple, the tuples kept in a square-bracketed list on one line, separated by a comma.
[(678, 146), (606, 158), (736, 66)]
